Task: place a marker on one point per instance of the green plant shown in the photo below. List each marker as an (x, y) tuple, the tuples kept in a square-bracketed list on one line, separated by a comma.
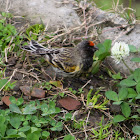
[(127, 97), (47, 85), (69, 137), (92, 102), (80, 90), (101, 54), (34, 120), (79, 124), (6, 85), (103, 131), (34, 31), (9, 38)]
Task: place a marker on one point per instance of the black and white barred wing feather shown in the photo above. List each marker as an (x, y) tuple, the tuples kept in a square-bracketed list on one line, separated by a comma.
[(35, 48)]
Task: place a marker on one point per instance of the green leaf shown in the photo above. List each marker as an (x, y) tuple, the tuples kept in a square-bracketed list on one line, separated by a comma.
[(138, 110), (13, 99), (33, 136), (3, 126), (21, 134), (138, 96), (135, 116), (51, 110), (111, 95), (44, 108), (57, 127), (132, 48), (29, 109), (19, 101), (117, 103), (15, 122), (68, 116), (104, 49), (104, 55), (117, 76), (118, 118), (131, 93), (25, 123), (15, 108), (138, 87), (45, 134), (69, 137), (95, 66), (28, 117), (137, 75), (122, 94), (33, 129), (128, 83), (136, 59), (126, 110), (107, 43), (13, 136), (3, 82), (136, 130), (24, 128), (11, 132)]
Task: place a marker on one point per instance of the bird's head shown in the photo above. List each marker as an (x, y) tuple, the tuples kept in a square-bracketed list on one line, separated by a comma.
[(87, 46)]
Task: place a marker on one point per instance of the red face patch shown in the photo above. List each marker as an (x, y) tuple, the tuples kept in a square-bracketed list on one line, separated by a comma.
[(91, 43)]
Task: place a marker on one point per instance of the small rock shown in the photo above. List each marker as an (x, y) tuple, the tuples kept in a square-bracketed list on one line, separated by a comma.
[(12, 61), (69, 103), (17, 86), (25, 90), (38, 93), (18, 76), (19, 66)]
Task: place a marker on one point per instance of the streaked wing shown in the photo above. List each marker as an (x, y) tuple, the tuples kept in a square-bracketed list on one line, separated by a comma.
[(65, 60)]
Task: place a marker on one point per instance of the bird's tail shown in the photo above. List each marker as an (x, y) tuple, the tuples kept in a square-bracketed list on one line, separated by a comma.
[(35, 48)]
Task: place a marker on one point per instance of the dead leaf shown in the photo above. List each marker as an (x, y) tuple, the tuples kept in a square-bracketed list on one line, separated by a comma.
[(6, 100), (57, 84), (69, 103), (35, 92), (38, 93)]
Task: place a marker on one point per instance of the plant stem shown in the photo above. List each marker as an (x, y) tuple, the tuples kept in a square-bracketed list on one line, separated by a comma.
[(131, 71)]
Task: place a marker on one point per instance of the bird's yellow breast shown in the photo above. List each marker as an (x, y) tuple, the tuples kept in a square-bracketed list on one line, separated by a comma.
[(72, 68)]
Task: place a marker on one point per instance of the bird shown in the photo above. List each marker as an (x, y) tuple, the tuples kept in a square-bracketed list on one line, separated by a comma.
[(66, 61)]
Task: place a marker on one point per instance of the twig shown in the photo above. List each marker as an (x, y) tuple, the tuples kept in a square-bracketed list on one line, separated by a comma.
[(7, 6), (29, 74), (86, 136), (86, 124), (68, 130), (9, 79), (80, 132), (6, 49), (86, 84)]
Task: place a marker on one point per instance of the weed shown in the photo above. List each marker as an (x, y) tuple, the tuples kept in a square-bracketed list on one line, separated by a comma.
[(34, 31), (25, 121), (103, 131), (92, 101), (9, 38)]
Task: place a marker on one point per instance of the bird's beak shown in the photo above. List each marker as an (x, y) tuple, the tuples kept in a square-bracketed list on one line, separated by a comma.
[(96, 48)]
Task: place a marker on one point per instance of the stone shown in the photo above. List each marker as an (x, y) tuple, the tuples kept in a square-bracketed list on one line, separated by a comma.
[(51, 12), (113, 18)]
